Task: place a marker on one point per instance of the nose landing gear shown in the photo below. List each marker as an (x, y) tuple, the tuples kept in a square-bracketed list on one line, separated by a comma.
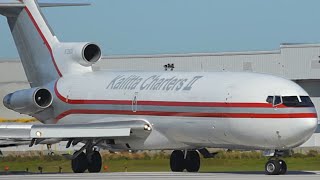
[(276, 166), (189, 160)]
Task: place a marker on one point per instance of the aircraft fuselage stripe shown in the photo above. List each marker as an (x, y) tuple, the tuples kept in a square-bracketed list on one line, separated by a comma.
[(187, 114)]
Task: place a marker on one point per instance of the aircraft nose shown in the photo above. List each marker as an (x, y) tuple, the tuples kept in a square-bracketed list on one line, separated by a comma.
[(304, 129), (311, 125)]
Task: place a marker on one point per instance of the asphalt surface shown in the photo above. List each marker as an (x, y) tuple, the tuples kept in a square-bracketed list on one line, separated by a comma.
[(303, 175)]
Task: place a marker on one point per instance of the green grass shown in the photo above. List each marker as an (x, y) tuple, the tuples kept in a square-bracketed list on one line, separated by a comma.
[(142, 162)]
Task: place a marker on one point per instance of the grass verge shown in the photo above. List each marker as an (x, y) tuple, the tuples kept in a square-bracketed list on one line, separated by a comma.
[(142, 162)]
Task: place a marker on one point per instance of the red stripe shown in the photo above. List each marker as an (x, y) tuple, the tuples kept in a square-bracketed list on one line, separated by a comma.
[(186, 114), (164, 103), (44, 40)]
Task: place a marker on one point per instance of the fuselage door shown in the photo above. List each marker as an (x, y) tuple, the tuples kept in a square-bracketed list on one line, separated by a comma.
[(135, 102)]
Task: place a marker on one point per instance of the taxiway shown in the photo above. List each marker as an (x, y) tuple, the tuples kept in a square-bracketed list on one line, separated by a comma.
[(303, 175)]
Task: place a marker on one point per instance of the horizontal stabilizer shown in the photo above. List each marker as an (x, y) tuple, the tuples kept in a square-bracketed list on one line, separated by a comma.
[(44, 3), (10, 3), (57, 3)]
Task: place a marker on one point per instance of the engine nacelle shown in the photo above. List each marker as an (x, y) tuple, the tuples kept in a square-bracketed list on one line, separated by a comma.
[(86, 53), (28, 101)]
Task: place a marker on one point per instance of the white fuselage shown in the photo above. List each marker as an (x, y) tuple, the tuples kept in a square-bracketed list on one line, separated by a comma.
[(188, 110)]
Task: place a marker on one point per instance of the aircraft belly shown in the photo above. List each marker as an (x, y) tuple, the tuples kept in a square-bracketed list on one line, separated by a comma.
[(186, 133), (170, 132)]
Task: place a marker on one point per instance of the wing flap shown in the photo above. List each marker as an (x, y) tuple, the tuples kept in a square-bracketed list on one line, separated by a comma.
[(13, 131), (67, 131), (75, 132)]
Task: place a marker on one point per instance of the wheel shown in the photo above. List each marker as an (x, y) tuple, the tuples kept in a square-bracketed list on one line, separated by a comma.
[(96, 163), (192, 161), (177, 161), (283, 165), (272, 167), (80, 163)]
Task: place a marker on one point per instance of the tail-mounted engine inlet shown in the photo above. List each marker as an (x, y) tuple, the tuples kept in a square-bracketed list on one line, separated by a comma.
[(91, 53)]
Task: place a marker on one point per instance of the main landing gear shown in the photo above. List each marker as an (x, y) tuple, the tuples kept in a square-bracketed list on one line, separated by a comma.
[(90, 160), (190, 161), (181, 160), (86, 161)]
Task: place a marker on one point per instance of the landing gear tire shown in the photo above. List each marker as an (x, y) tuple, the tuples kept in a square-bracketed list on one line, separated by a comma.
[(192, 161), (95, 164), (80, 163), (283, 165), (177, 162), (273, 167)]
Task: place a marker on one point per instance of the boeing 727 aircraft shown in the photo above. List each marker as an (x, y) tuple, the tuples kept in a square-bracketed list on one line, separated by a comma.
[(186, 112)]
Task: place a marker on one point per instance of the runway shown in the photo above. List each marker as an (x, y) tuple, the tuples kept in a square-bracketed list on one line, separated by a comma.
[(303, 175)]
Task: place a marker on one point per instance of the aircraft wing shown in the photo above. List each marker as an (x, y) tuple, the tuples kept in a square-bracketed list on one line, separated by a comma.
[(13, 142), (17, 134)]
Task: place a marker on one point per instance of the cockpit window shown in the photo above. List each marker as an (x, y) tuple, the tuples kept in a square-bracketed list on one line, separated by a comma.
[(270, 99), (295, 101), (274, 100), (277, 100), (306, 101), (290, 101)]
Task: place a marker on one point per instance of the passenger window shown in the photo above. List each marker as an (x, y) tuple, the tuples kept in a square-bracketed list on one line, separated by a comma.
[(270, 99), (277, 100)]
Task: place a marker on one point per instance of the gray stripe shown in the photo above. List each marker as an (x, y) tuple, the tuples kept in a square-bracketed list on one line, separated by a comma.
[(197, 109)]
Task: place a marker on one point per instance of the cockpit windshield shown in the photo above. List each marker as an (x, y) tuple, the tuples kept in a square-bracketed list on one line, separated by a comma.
[(290, 101), (307, 101)]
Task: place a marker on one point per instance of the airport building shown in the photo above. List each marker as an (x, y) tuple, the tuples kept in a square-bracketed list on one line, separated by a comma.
[(298, 62)]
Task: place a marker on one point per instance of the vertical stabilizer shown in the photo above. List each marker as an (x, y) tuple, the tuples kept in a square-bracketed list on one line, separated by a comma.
[(44, 58), (34, 41)]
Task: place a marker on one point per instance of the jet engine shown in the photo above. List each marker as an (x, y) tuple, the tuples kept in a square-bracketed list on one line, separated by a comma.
[(86, 53), (28, 101)]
